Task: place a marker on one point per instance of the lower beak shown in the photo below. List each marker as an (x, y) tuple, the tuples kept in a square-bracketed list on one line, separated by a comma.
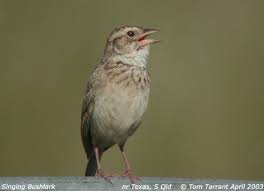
[(143, 41)]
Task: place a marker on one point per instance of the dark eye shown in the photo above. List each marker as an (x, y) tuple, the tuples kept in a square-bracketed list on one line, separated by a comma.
[(130, 33)]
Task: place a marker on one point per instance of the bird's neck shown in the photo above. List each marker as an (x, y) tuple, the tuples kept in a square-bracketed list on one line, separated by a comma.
[(137, 58)]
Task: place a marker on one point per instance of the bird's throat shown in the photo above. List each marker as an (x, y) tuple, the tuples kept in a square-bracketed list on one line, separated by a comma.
[(137, 58)]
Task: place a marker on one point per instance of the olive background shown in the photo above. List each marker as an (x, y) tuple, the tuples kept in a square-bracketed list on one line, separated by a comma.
[(206, 114)]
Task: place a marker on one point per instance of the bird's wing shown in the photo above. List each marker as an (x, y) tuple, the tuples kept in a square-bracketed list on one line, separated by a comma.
[(87, 109)]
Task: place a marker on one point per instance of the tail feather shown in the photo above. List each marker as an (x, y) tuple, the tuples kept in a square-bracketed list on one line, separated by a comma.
[(91, 167)]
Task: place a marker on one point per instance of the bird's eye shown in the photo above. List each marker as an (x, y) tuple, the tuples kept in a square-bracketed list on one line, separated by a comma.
[(130, 33)]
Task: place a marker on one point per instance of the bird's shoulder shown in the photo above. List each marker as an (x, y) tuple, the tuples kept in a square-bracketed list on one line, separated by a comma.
[(107, 72)]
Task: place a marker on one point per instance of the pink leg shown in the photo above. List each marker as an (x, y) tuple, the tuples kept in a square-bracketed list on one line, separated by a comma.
[(128, 173), (99, 171)]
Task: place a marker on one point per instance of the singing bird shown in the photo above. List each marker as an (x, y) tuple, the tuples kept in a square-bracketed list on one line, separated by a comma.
[(116, 96)]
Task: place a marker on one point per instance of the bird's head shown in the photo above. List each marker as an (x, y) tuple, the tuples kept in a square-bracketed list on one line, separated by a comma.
[(129, 41)]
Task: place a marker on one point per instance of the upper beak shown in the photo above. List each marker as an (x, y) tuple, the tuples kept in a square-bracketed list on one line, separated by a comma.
[(143, 41)]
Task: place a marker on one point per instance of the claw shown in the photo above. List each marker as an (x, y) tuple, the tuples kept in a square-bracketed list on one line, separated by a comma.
[(101, 174), (130, 175)]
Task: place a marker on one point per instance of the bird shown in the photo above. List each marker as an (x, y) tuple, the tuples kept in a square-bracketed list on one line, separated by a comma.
[(116, 96)]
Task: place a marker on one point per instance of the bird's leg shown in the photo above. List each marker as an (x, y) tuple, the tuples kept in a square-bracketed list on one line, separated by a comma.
[(128, 173), (99, 171)]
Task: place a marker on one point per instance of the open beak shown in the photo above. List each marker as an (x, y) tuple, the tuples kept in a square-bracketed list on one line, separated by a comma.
[(143, 41)]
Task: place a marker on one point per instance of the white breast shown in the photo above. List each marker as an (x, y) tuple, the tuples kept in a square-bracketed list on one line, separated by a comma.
[(115, 111)]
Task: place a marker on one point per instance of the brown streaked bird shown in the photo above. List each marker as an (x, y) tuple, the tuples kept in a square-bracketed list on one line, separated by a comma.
[(116, 97)]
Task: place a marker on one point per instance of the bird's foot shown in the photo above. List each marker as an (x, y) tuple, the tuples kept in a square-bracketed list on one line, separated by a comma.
[(101, 174), (115, 175), (130, 175)]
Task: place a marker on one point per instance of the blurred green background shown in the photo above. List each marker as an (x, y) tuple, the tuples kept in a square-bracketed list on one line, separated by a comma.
[(206, 114)]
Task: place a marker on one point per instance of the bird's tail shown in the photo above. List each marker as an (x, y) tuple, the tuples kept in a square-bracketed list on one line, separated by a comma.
[(91, 167)]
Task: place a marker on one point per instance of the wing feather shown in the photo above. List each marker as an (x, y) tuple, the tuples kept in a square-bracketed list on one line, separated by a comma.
[(86, 113)]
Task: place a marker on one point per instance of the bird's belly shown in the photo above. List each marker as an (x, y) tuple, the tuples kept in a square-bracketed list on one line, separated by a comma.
[(116, 114)]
